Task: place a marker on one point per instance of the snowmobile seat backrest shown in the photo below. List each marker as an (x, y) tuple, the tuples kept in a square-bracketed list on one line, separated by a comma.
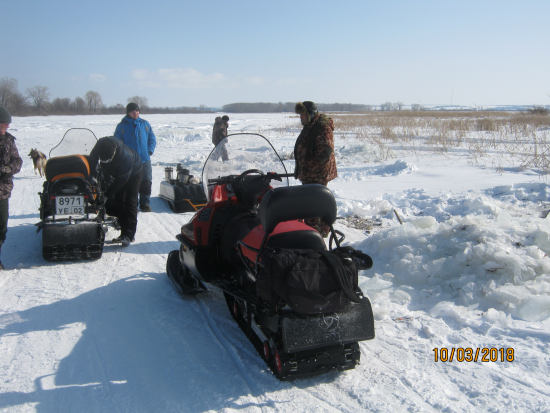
[(72, 166), (297, 202)]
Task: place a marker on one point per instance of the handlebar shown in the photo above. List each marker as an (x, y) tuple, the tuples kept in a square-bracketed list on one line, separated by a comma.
[(232, 178)]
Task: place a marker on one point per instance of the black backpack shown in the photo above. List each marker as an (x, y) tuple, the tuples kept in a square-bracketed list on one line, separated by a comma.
[(311, 281)]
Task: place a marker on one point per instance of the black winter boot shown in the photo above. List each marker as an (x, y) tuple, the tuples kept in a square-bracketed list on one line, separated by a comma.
[(1, 266)]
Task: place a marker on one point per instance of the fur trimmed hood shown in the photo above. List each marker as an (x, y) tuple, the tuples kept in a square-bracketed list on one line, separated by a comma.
[(306, 107)]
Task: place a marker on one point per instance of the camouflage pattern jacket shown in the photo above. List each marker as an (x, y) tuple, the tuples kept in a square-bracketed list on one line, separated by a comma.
[(9, 156), (219, 132), (314, 152)]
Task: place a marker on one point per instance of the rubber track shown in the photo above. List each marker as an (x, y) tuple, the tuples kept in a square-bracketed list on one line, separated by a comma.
[(349, 354)]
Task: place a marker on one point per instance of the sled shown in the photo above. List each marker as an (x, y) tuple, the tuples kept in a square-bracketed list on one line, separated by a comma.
[(180, 193)]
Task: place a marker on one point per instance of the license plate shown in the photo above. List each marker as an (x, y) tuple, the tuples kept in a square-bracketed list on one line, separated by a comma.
[(69, 205)]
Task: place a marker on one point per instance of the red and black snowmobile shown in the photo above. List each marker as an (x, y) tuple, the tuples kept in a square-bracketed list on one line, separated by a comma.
[(297, 301)]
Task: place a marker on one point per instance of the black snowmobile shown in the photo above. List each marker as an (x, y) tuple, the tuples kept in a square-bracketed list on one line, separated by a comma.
[(182, 194), (72, 211), (297, 301)]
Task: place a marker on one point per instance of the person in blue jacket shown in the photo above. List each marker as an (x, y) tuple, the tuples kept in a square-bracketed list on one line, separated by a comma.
[(124, 166), (138, 135)]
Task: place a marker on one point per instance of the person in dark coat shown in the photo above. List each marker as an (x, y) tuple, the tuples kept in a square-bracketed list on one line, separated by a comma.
[(10, 164), (124, 165), (219, 133), (314, 153)]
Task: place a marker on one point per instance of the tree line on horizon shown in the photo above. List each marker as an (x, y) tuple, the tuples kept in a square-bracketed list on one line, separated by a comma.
[(264, 107), (37, 100)]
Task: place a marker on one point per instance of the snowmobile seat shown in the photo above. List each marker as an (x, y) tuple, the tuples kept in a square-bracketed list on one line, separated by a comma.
[(72, 166), (284, 206), (306, 238), (297, 202)]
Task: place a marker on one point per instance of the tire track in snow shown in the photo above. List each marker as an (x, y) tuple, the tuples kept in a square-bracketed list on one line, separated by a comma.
[(326, 399), (112, 268), (254, 390)]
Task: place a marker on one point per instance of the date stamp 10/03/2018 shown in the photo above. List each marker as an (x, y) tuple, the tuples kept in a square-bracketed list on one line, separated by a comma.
[(469, 354)]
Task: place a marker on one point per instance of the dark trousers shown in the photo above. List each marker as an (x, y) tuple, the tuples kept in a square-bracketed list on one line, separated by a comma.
[(4, 214), (126, 203), (146, 182)]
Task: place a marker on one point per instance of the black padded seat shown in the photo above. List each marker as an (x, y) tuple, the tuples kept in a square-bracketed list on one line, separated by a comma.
[(297, 202), (72, 166)]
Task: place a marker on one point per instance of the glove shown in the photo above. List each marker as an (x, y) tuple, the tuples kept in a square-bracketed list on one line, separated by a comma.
[(6, 169), (150, 153)]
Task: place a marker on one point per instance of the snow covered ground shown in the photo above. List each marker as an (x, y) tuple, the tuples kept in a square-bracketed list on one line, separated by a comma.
[(468, 269)]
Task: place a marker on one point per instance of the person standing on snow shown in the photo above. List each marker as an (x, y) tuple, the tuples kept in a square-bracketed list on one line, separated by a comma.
[(10, 164), (219, 133), (122, 163), (138, 135), (314, 153)]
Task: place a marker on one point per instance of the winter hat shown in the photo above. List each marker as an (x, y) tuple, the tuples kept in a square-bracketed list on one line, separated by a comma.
[(131, 106), (225, 118), (306, 107), (5, 116), (106, 149)]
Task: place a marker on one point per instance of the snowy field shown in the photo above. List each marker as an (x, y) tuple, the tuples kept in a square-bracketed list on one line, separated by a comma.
[(467, 269)]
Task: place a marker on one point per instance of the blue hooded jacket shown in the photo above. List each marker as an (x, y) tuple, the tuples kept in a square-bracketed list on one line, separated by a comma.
[(138, 135)]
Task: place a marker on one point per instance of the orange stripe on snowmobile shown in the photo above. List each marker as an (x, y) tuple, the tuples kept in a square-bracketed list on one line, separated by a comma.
[(71, 175)]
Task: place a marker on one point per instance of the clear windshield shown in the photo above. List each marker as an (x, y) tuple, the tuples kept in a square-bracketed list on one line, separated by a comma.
[(76, 141), (240, 152)]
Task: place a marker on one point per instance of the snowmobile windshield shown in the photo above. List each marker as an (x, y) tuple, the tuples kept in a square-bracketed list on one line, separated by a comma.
[(76, 141), (241, 152)]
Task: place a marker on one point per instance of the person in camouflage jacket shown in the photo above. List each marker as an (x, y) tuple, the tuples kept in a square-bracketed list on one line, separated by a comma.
[(10, 164), (219, 133), (314, 153), (314, 148)]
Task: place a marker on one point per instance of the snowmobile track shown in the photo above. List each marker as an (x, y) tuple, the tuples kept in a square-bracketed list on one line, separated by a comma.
[(289, 365)]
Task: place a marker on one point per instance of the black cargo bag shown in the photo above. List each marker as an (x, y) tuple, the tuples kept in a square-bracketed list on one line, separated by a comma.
[(308, 281)]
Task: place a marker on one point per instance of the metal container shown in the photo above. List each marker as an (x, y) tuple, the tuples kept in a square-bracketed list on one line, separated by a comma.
[(168, 173), (183, 176)]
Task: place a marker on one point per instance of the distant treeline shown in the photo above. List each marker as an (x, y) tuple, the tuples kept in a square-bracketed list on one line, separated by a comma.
[(263, 107), (37, 100)]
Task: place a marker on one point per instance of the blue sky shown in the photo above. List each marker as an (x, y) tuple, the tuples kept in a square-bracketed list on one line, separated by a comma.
[(188, 53)]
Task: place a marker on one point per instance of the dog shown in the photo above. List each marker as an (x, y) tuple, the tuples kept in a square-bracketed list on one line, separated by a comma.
[(39, 161)]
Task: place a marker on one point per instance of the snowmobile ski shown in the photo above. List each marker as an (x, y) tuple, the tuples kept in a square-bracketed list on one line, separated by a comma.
[(183, 281)]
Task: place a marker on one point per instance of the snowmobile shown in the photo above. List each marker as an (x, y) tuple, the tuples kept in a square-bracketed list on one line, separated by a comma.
[(182, 193), (72, 210), (251, 219)]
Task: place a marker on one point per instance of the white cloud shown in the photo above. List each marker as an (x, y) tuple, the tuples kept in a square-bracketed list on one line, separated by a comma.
[(179, 79), (287, 81), (97, 77), (255, 80), (140, 74)]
